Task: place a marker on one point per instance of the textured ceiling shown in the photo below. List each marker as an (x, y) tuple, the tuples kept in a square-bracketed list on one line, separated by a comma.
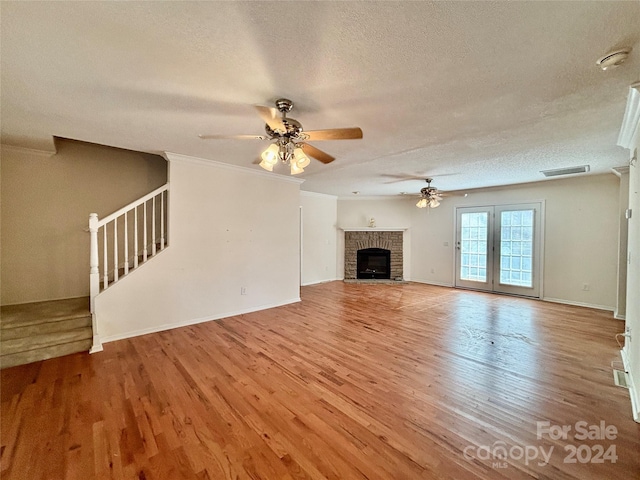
[(473, 94)]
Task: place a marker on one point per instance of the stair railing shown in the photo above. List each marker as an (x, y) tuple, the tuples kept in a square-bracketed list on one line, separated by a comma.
[(122, 252)]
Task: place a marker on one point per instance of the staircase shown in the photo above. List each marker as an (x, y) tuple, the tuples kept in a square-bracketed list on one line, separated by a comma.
[(119, 244), (42, 330)]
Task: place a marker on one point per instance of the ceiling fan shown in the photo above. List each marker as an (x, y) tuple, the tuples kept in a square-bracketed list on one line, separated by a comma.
[(289, 138), (429, 196)]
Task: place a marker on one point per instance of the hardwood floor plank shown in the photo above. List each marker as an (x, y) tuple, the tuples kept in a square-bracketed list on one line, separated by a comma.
[(355, 382)]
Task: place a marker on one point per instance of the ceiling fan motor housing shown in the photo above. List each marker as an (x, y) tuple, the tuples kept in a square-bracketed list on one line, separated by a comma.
[(284, 105), (293, 129)]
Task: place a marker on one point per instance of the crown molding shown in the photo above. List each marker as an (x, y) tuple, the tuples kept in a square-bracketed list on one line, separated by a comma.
[(305, 193), (27, 151), (619, 171), (379, 197), (177, 157), (631, 119)]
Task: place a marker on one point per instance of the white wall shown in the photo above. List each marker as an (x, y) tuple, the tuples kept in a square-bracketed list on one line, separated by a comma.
[(623, 237), (390, 213), (632, 346), (433, 242), (319, 237), (580, 244), (46, 202), (229, 228)]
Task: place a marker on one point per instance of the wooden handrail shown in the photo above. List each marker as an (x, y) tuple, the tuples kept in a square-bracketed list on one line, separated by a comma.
[(132, 205)]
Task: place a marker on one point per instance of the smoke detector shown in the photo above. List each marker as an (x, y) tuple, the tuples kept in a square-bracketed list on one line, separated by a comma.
[(613, 59)]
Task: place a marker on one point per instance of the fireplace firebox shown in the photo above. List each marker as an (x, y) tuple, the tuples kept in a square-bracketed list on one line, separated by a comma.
[(374, 263)]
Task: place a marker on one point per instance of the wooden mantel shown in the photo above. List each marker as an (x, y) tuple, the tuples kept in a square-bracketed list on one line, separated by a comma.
[(373, 229)]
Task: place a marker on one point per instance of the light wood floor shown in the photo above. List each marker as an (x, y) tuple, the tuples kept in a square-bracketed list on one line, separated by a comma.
[(354, 382)]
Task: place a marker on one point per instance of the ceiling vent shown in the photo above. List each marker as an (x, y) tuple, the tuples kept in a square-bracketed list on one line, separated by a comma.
[(565, 171)]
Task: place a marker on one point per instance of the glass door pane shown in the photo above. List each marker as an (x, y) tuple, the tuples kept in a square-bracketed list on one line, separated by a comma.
[(516, 248), (473, 252), (473, 263), (518, 230)]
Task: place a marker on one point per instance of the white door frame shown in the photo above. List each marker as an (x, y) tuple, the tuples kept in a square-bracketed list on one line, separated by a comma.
[(539, 235)]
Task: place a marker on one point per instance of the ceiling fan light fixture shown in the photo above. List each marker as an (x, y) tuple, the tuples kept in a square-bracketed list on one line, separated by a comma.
[(295, 168), (270, 155), (267, 166), (429, 196), (300, 158)]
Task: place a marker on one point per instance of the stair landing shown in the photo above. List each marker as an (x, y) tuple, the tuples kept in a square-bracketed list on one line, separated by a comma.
[(37, 331)]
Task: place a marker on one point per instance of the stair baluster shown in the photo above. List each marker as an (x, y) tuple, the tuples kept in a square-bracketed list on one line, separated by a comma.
[(112, 269)]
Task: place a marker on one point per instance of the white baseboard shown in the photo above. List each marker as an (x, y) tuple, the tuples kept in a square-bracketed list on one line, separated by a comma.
[(429, 282), (185, 323), (578, 304), (633, 393), (316, 282), (619, 317)]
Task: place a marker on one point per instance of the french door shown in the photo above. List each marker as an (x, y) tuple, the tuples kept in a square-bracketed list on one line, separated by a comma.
[(498, 248)]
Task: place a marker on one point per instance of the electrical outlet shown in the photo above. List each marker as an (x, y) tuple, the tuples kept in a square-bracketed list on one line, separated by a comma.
[(433, 270), (585, 287), (243, 290)]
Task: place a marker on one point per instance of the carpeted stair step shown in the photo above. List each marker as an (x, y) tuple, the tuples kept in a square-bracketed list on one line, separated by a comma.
[(34, 342), (38, 331), (46, 327), (45, 353)]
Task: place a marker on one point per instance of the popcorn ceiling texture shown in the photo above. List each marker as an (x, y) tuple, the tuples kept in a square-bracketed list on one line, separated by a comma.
[(489, 93)]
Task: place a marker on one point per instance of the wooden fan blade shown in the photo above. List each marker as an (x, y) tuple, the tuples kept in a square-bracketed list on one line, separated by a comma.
[(395, 178), (270, 117), (317, 153), (334, 134), (400, 178), (234, 137)]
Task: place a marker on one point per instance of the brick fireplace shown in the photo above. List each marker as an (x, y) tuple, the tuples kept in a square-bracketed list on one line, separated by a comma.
[(355, 240)]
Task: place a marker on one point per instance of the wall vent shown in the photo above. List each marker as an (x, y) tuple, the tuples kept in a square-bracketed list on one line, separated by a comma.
[(566, 171), (620, 378)]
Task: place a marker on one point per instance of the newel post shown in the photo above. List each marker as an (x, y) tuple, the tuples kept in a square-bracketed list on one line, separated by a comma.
[(94, 280)]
